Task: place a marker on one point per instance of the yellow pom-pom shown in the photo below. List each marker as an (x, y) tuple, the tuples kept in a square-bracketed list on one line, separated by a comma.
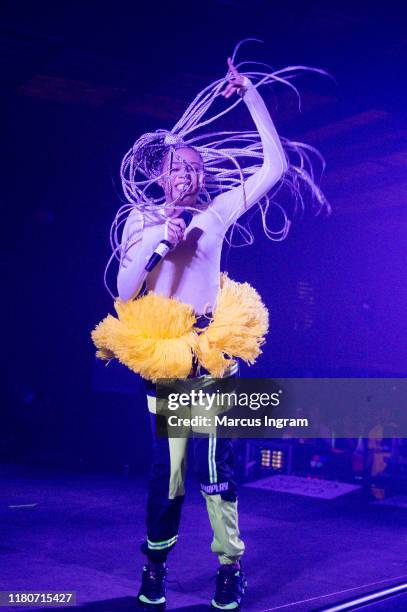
[(239, 325), (155, 336)]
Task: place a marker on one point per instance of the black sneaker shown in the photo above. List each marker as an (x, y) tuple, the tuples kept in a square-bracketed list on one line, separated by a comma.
[(230, 587), (151, 595)]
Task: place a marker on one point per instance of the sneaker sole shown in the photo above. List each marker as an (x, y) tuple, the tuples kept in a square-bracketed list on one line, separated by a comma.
[(238, 607), (143, 605)]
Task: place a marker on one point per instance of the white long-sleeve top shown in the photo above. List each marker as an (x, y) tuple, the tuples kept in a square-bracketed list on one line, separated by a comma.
[(191, 271)]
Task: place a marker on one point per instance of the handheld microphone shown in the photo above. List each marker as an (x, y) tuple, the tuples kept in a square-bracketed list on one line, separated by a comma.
[(162, 249)]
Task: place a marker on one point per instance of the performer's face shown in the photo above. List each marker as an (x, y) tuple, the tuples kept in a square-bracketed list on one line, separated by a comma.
[(183, 177)]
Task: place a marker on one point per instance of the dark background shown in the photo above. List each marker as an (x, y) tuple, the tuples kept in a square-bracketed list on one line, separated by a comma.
[(80, 82)]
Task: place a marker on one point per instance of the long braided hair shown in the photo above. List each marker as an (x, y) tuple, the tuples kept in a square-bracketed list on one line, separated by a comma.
[(229, 157)]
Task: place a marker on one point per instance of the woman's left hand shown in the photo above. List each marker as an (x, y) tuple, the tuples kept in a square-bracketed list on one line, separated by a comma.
[(236, 81)]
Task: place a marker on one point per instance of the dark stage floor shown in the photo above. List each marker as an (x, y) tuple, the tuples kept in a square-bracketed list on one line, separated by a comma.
[(85, 530)]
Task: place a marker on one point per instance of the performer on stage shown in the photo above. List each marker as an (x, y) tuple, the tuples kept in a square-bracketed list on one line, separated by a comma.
[(186, 319)]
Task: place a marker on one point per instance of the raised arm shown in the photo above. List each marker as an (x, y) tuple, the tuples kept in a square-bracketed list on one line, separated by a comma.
[(230, 205)]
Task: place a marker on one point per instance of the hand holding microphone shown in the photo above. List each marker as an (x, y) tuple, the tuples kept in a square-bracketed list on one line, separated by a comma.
[(175, 229)]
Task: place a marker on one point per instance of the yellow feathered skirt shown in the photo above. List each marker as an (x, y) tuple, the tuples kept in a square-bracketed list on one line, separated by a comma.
[(156, 336)]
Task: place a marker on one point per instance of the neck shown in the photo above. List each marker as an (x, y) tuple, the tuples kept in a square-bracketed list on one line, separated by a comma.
[(176, 210)]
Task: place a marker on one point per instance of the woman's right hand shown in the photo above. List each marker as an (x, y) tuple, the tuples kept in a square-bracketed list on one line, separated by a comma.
[(175, 230)]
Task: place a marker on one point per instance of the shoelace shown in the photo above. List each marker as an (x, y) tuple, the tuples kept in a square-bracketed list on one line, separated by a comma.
[(153, 581), (224, 584)]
